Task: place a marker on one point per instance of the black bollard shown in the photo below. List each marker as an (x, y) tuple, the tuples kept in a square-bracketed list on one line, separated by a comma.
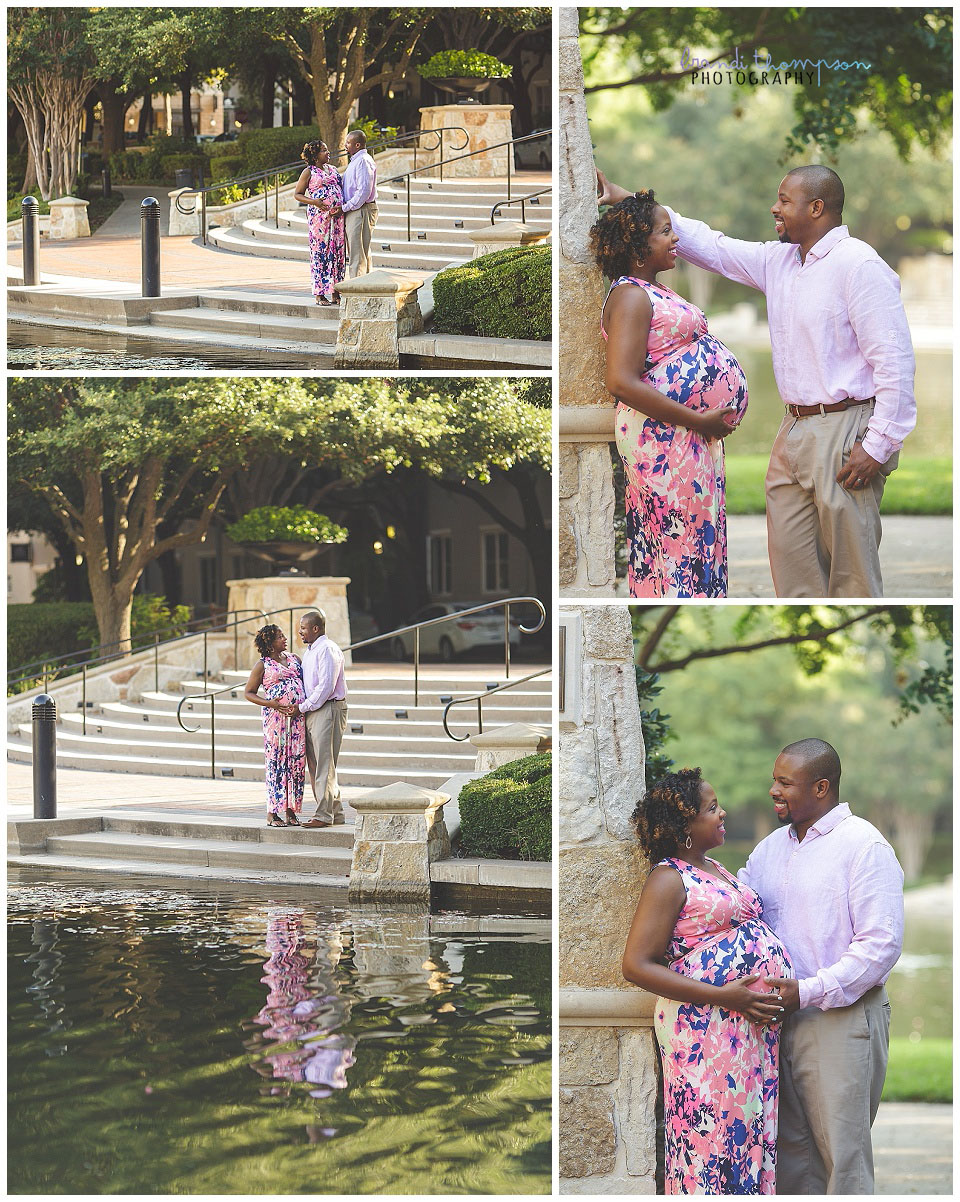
[(30, 220), (44, 757), (150, 247), (105, 178)]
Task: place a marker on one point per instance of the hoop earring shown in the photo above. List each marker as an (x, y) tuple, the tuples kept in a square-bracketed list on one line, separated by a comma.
[(689, 843)]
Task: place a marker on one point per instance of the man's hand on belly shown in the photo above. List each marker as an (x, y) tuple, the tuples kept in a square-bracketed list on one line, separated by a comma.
[(789, 990), (859, 469)]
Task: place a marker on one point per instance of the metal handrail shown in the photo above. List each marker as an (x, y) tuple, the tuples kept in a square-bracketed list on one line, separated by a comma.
[(297, 165), (212, 694), (519, 200), (478, 698), (404, 179)]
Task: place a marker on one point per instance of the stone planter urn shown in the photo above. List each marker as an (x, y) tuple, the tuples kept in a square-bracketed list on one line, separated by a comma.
[(285, 555), (465, 89)]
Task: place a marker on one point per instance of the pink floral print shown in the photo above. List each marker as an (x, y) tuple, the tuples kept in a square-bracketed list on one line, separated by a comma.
[(284, 739), (720, 1071), (328, 243), (675, 482)]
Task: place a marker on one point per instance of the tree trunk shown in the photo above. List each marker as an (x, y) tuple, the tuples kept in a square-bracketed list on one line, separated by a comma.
[(912, 836), (145, 124), (30, 175), (112, 605), (186, 85), (114, 104), (268, 87)]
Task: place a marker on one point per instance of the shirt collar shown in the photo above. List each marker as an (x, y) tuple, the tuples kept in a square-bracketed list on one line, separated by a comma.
[(826, 244), (823, 826)]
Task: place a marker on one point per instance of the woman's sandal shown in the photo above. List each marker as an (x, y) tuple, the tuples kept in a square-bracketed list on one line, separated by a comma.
[(274, 820), (292, 819), (322, 300)]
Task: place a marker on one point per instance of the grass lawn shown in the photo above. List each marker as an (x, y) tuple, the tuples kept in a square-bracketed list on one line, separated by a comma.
[(918, 486), (98, 210), (919, 1072)]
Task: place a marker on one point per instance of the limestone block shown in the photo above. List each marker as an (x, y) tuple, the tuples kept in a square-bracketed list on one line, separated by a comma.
[(568, 477), (636, 1096), (607, 634), (273, 594), (595, 509), (599, 887), (486, 125), (582, 349), (567, 545), (587, 1137), (503, 235), (182, 225), (581, 819), (588, 1056), (394, 828), (378, 309), (366, 856), (404, 824), (620, 753), (68, 219)]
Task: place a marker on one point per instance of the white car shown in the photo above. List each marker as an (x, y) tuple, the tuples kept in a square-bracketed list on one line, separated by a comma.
[(450, 639)]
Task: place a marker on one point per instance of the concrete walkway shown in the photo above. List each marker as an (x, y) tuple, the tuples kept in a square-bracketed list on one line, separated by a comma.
[(124, 222), (913, 1148)]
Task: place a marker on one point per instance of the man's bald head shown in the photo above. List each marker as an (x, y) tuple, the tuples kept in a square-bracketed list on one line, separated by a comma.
[(818, 759), (820, 183)]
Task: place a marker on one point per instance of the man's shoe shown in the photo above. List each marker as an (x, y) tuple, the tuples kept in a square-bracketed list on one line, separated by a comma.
[(314, 824)]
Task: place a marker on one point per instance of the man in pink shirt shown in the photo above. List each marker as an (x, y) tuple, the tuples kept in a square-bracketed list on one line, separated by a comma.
[(833, 892), (325, 706), (844, 367)]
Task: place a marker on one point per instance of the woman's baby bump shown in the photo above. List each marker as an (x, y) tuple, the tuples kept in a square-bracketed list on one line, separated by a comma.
[(703, 374)]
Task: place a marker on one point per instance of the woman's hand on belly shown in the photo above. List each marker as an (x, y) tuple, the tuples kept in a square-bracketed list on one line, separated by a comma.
[(714, 423), (762, 1008)]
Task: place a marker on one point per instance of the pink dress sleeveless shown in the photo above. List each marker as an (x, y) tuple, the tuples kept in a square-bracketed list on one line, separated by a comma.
[(675, 482)]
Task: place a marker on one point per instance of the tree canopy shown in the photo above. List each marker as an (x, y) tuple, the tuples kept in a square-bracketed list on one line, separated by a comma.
[(898, 65)]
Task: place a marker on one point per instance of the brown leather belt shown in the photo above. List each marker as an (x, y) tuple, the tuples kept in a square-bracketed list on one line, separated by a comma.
[(836, 407)]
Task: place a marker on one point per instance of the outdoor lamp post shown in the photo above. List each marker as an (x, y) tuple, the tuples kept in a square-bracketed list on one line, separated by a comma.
[(150, 247), (30, 220), (44, 714)]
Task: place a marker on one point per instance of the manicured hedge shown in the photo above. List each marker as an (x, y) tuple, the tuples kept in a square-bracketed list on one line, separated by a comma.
[(227, 166), (507, 813), (263, 148), (502, 295)]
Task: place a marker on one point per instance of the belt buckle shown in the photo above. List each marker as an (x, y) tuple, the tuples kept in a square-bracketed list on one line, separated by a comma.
[(823, 409)]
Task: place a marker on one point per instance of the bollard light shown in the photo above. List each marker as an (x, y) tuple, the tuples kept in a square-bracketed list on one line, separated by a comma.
[(150, 246), (30, 222), (44, 715), (105, 178)]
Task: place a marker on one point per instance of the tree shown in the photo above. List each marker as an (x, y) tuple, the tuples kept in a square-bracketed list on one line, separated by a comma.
[(335, 48), (112, 457), (899, 63), (50, 71)]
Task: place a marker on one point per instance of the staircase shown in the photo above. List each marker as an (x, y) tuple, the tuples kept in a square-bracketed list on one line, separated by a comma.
[(387, 739), (442, 215)]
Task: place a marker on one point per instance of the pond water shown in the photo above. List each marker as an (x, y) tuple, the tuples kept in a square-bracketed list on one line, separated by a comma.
[(190, 1040), (45, 348)]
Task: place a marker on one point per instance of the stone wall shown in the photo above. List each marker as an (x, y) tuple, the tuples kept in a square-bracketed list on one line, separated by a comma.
[(608, 1060), (271, 594), (586, 478), (486, 125)]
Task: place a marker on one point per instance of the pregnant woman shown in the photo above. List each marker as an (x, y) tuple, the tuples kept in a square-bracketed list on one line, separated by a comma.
[(680, 392), (320, 189), (699, 941), (284, 727)]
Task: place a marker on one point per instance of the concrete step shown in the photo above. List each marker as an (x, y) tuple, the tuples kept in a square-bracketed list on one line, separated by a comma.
[(239, 829), (19, 750), (112, 867), (434, 684), (272, 304), (393, 217), (240, 241), (320, 354), (438, 243), (204, 852), (253, 325)]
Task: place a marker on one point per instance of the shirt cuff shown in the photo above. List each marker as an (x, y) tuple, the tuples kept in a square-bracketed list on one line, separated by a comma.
[(879, 446), (811, 992)]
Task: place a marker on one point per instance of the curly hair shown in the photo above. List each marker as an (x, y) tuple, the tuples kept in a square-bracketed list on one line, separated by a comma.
[(311, 150), (265, 637), (661, 817), (620, 235)]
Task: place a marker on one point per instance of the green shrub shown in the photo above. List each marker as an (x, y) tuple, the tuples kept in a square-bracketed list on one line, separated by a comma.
[(502, 295), (264, 148), (227, 166), (285, 523), (13, 204), (507, 813), (465, 64), (171, 163)]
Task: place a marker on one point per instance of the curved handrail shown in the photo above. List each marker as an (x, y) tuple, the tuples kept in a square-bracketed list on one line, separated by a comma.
[(517, 200), (416, 627), (478, 698)]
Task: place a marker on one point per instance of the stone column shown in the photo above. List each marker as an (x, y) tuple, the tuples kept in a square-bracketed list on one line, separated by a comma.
[(509, 743), (377, 310), (399, 833), (503, 235), (486, 125), (608, 1060), (68, 219), (180, 224), (586, 477), (270, 594)]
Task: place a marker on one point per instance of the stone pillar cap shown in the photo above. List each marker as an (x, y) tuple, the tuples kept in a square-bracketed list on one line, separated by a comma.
[(588, 423), (70, 201), (384, 281), (508, 231), (626, 1007), (399, 798), (517, 734), (291, 580)]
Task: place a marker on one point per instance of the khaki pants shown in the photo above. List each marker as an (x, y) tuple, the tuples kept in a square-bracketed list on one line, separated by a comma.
[(325, 728), (832, 1066), (359, 229), (823, 540)]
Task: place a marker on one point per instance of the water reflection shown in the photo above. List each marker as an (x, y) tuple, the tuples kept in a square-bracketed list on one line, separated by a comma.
[(46, 989)]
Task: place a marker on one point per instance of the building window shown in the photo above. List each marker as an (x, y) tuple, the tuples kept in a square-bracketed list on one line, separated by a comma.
[(496, 573), (20, 553), (209, 580), (439, 564)]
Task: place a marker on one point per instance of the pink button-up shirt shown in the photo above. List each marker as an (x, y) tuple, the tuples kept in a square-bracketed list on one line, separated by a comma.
[(837, 325), (835, 898), (323, 678)]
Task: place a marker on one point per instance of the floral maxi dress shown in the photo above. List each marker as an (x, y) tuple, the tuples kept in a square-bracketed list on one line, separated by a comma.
[(284, 739), (328, 243), (675, 484), (720, 1071)]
